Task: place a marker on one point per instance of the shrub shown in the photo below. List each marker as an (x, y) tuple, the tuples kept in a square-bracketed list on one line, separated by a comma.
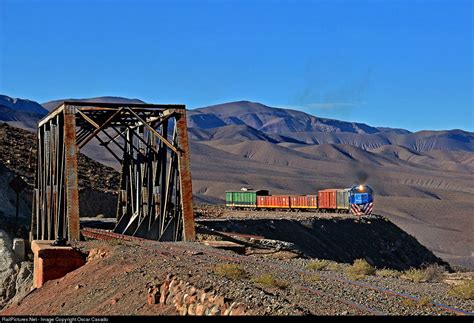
[(465, 290), (408, 303), (335, 266), (434, 273), (360, 269), (424, 302), (414, 275), (317, 264), (313, 278), (388, 273), (232, 271), (269, 281), (115, 242)]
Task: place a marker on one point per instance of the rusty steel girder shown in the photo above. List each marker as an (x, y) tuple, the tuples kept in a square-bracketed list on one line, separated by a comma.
[(155, 194)]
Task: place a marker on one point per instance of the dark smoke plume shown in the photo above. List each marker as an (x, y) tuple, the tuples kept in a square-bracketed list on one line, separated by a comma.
[(362, 176)]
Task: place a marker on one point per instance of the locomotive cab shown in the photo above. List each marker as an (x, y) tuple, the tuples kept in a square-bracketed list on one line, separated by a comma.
[(361, 200)]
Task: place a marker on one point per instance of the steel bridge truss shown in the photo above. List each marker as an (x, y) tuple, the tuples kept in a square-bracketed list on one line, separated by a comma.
[(150, 142)]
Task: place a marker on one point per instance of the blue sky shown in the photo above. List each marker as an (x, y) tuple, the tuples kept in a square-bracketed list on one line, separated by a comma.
[(404, 64)]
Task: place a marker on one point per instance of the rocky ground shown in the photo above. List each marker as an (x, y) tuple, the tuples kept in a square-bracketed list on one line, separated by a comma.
[(16, 276), (271, 274), (13, 272), (18, 157), (117, 279)]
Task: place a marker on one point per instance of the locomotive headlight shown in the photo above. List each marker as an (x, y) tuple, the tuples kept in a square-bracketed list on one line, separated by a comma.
[(361, 188)]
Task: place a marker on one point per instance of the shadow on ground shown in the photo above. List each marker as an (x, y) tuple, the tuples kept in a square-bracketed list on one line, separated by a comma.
[(379, 241)]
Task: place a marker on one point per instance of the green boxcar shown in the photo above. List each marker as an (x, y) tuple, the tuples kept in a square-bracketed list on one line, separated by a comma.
[(342, 199), (241, 198)]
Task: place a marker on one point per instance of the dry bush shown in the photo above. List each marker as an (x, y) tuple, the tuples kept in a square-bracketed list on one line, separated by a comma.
[(335, 266), (269, 281), (407, 302), (434, 273), (465, 290), (317, 264), (232, 271), (360, 269), (115, 242), (313, 278), (388, 273), (425, 301), (414, 275)]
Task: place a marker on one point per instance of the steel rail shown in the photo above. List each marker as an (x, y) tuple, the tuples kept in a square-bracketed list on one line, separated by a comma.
[(239, 259), (106, 235), (388, 292)]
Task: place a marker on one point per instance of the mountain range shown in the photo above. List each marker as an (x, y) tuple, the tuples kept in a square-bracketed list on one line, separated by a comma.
[(422, 180), (255, 121), (20, 113)]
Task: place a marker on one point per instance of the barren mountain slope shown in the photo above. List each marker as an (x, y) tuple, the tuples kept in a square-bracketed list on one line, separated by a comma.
[(433, 205), (305, 128), (20, 113), (422, 181), (267, 119)]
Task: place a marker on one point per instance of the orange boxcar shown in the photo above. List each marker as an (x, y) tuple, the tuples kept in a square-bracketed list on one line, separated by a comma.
[(303, 201), (327, 199), (274, 201), (298, 201), (312, 201)]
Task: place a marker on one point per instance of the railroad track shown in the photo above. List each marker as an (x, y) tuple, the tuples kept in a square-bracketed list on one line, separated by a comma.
[(339, 285)]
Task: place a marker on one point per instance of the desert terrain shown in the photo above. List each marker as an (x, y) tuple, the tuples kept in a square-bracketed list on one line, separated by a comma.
[(139, 277), (422, 181)]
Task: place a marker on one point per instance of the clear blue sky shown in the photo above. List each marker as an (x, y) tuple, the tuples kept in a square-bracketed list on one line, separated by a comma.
[(400, 63)]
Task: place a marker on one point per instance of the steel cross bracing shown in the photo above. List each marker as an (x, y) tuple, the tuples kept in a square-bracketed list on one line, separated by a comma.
[(150, 142)]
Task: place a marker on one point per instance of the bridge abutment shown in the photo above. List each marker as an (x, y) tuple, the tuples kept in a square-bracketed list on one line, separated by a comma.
[(53, 262)]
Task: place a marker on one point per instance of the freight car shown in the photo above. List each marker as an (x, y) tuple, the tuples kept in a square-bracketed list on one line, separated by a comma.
[(245, 198), (357, 200)]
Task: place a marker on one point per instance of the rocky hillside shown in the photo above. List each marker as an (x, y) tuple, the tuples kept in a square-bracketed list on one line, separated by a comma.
[(92, 175), (96, 182), (15, 274)]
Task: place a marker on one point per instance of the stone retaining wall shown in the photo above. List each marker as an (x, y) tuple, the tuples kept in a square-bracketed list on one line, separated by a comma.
[(189, 300)]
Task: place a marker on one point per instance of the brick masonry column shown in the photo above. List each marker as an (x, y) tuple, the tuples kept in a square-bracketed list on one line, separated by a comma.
[(51, 262)]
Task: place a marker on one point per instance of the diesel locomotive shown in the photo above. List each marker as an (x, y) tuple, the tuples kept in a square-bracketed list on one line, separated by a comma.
[(358, 200)]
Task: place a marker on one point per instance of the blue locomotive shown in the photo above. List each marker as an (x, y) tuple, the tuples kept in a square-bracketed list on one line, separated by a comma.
[(361, 199)]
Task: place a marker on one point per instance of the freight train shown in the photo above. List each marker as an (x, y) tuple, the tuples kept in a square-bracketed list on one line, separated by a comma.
[(358, 200)]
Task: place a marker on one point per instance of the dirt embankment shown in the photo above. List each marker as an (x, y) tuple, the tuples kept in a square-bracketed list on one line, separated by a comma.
[(379, 241), (121, 277)]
